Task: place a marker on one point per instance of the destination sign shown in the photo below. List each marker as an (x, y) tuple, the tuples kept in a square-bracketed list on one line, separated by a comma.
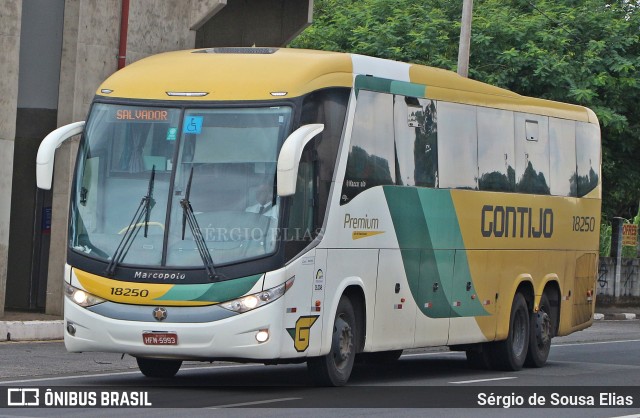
[(150, 115)]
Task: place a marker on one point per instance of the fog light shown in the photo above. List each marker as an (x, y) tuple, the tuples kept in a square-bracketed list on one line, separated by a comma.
[(262, 335), (71, 329)]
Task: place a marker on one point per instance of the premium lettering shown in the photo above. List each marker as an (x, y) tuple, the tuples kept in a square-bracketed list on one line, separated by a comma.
[(360, 223)]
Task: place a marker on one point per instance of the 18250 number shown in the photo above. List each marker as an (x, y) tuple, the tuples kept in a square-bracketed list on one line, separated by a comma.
[(584, 224), (125, 291)]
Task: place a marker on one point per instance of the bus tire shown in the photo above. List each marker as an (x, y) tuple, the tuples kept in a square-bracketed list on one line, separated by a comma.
[(511, 353), (152, 367), (540, 334), (335, 368)]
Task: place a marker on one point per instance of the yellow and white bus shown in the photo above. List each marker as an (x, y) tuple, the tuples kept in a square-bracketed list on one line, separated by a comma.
[(280, 205)]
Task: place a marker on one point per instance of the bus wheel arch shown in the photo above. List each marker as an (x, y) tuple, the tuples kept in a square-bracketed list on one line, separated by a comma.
[(357, 298), (334, 368), (552, 291), (347, 339)]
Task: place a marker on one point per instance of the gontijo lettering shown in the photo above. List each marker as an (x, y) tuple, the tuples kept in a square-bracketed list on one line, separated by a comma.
[(514, 222)]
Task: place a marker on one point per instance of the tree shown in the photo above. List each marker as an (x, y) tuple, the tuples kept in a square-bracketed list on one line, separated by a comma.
[(585, 52)]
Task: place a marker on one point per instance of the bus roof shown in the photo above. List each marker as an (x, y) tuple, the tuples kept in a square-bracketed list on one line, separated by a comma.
[(234, 74)]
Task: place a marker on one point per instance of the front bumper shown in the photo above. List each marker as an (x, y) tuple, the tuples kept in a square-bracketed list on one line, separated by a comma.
[(232, 337)]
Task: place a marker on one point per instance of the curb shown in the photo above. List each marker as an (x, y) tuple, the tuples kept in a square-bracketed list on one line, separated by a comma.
[(620, 316), (31, 330)]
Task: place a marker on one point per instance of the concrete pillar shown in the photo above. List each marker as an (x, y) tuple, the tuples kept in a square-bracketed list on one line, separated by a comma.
[(616, 252), (256, 22), (10, 22), (203, 10), (89, 56)]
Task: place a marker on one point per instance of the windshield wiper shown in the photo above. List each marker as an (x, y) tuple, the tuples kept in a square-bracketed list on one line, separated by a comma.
[(131, 231), (188, 217)]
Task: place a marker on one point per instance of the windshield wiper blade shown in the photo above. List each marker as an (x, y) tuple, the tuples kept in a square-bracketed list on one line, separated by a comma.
[(150, 202), (131, 231), (190, 218), (187, 193)]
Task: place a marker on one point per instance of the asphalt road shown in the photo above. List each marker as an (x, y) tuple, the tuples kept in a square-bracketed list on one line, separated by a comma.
[(433, 382)]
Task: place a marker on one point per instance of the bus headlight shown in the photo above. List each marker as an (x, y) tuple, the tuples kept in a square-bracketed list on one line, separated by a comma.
[(80, 297), (249, 302)]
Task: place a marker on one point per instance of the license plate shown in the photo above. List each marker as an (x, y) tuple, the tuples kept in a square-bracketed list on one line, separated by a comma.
[(160, 338)]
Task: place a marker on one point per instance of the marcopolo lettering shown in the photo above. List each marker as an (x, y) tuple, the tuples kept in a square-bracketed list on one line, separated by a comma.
[(158, 275), (516, 222)]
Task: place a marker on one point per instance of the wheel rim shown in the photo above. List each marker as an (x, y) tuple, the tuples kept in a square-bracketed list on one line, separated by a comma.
[(543, 328), (342, 343), (519, 333)]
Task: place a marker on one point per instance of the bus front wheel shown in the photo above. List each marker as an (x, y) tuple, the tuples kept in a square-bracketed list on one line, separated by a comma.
[(335, 368), (151, 367), (511, 353)]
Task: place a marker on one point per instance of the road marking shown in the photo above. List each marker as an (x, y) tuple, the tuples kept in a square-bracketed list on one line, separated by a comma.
[(595, 343), (234, 405), (46, 379), (482, 380)]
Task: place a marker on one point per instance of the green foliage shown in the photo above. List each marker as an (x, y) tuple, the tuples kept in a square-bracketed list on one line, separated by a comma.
[(605, 240), (585, 52)]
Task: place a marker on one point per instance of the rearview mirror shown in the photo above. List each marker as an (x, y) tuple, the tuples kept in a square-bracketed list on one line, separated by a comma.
[(289, 158), (47, 152)]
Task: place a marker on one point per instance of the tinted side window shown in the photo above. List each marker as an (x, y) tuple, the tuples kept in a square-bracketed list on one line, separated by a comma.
[(371, 160), (562, 140), (588, 156), (532, 153), (416, 142), (328, 107), (457, 146), (496, 150)]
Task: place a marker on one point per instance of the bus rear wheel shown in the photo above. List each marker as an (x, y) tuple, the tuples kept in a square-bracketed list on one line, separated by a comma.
[(511, 353), (152, 367), (541, 333), (335, 368)]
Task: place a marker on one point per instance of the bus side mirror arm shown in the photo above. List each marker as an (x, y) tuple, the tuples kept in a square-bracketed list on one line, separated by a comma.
[(289, 158), (47, 152)]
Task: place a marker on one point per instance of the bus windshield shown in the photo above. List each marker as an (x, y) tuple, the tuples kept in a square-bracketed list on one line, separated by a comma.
[(141, 168)]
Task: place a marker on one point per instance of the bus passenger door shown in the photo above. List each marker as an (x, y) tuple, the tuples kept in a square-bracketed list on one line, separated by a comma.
[(434, 310), (318, 288), (395, 309)]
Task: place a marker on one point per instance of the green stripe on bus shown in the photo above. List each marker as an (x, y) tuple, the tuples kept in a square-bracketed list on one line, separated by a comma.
[(408, 89), (437, 276), (384, 85), (419, 260), (211, 292)]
